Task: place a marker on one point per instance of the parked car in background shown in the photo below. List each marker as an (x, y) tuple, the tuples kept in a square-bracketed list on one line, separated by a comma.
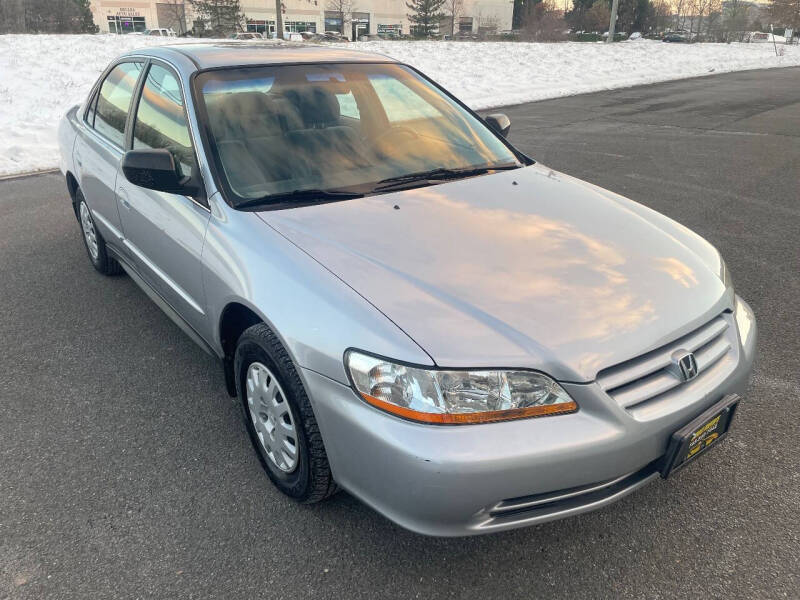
[(759, 37), (335, 36), (371, 37), (288, 36), (247, 35), (312, 36), (160, 32), (404, 304), (676, 37)]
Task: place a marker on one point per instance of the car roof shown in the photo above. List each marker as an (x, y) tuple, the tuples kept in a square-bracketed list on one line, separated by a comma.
[(232, 53)]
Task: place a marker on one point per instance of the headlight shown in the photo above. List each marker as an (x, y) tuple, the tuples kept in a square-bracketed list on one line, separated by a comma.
[(451, 397)]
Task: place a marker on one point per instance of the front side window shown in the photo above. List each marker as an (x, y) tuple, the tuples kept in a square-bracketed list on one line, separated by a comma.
[(161, 118), (281, 130), (114, 101)]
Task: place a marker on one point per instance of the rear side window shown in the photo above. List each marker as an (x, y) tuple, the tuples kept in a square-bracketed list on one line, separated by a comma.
[(114, 101), (400, 102), (161, 118), (348, 106)]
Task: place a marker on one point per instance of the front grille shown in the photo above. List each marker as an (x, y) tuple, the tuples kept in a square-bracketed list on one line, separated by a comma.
[(638, 384)]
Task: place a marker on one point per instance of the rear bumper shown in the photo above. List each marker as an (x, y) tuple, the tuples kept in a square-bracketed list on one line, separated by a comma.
[(465, 480)]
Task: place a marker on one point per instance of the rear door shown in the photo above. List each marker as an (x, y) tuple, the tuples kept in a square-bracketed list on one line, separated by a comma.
[(100, 145), (164, 233)]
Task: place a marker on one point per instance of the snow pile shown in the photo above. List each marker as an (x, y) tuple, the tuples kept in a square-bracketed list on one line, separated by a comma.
[(41, 76), (485, 75)]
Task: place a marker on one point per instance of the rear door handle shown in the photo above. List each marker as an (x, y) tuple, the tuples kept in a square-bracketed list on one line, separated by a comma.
[(123, 198)]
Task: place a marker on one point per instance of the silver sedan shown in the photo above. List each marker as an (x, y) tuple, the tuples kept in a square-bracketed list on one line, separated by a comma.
[(405, 305)]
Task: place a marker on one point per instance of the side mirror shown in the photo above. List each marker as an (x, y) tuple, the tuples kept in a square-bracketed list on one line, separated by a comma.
[(155, 169), (500, 123)]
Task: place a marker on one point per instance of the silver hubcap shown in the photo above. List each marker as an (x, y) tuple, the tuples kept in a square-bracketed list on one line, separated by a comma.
[(272, 417), (88, 231)]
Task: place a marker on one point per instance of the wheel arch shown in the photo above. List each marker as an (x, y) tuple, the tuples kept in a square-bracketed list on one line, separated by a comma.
[(72, 188), (234, 319)]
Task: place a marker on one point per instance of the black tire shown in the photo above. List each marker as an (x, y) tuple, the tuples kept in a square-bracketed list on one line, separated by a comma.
[(102, 261), (311, 480)]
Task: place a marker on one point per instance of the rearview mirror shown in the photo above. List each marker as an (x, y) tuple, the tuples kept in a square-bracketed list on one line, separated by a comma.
[(500, 123), (155, 169)]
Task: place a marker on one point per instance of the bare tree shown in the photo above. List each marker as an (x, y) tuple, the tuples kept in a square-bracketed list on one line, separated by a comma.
[(453, 8), (699, 9), (736, 19), (174, 15), (662, 13), (786, 12), (598, 16), (344, 12), (544, 22)]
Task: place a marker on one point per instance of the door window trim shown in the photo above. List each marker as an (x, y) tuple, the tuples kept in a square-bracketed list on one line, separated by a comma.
[(131, 121), (95, 94)]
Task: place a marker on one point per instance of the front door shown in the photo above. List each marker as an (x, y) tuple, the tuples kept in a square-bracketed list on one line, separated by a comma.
[(164, 233)]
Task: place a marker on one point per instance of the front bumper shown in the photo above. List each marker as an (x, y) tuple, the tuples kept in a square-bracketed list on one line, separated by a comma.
[(465, 480)]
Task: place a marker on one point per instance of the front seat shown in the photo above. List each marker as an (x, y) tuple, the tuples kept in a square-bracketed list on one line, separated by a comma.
[(327, 144)]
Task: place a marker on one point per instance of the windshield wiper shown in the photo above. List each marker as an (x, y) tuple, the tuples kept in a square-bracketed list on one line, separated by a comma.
[(441, 174), (307, 196)]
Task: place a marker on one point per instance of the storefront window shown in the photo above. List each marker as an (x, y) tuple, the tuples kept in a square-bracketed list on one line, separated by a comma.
[(120, 24), (360, 24), (465, 24), (390, 30), (299, 26), (260, 25), (333, 21)]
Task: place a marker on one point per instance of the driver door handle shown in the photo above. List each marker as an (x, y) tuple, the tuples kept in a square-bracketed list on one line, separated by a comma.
[(123, 198)]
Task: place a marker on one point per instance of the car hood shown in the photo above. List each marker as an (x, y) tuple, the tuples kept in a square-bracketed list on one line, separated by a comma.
[(526, 268)]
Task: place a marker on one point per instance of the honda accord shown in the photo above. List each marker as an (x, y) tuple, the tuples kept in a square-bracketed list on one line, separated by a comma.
[(404, 304)]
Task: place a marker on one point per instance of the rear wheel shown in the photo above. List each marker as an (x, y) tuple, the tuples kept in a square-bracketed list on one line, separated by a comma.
[(94, 242), (279, 417)]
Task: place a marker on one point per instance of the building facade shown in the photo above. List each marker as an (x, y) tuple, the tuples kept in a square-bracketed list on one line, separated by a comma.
[(368, 16)]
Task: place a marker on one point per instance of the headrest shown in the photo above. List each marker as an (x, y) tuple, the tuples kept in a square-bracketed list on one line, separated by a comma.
[(243, 114), (317, 106)]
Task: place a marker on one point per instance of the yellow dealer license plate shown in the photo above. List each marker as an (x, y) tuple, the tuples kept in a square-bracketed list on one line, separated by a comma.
[(700, 435)]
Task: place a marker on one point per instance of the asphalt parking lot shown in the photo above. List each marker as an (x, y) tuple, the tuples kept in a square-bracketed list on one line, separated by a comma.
[(125, 471)]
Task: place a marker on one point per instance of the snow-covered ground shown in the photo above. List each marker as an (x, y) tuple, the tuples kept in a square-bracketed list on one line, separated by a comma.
[(41, 76)]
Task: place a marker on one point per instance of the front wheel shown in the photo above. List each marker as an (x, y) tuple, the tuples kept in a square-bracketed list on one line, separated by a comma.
[(279, 417)]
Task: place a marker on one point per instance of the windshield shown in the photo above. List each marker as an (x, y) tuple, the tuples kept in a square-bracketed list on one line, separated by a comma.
[(337, 128)]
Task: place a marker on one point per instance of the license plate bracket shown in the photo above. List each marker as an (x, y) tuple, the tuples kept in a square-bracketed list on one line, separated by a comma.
[(699, 435)]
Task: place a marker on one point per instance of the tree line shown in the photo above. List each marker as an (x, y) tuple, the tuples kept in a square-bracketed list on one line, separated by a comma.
[(711, 20), (542, 20), (46, 16)]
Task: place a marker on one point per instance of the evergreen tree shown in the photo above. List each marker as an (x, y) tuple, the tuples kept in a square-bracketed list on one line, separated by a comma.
[(425, 15), (522, 11), (84, 20), (222, 17)]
